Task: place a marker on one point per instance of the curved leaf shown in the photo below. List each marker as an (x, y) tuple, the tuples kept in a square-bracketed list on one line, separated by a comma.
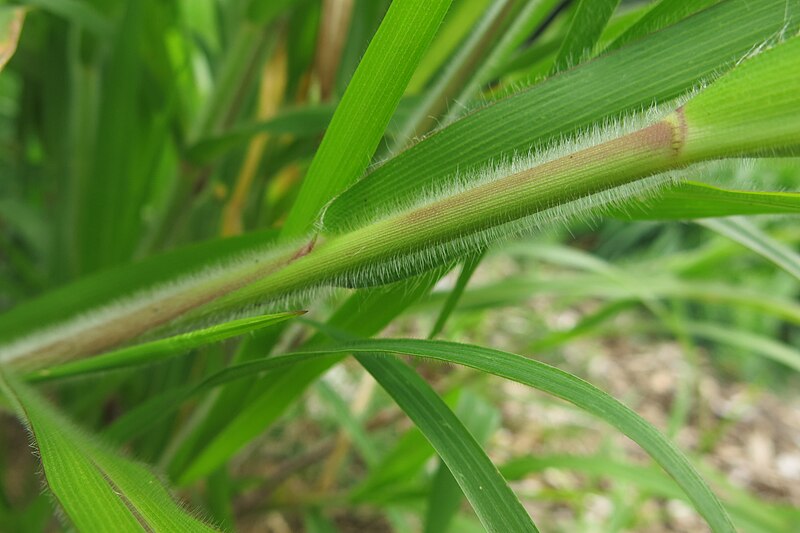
[(531, 373), (574, 390), (748, 235), (97, 489)]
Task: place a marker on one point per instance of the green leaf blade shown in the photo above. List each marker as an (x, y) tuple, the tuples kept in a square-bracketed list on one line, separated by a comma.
[(749, 235), (588, 22), (666, 65), (537, 375), (496, 505), (582, 394), (158, 350), (367, 106), (692, 200), (445, 496), (98, 490)]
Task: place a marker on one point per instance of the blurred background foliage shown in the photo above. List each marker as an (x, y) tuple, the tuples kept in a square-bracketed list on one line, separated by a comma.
[(132, 127)]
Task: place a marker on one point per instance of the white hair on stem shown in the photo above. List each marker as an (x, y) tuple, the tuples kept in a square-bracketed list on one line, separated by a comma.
[(404, 263), (88, 322), (494, 170)]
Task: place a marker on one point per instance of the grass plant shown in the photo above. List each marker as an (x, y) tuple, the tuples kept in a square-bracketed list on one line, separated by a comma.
[(208, 206)]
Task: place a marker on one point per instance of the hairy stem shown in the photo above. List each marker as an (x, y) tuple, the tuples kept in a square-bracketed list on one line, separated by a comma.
[(753, 109)]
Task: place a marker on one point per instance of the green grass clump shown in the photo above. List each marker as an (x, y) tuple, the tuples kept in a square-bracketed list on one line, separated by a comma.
[(209, 206)]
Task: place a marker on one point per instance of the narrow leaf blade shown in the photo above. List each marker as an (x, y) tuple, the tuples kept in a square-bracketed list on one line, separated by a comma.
[(534, 374), (150, 352), (691, 200), (748, 235), (367, 106), (98, 490), (590, 17), (496, 505)]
